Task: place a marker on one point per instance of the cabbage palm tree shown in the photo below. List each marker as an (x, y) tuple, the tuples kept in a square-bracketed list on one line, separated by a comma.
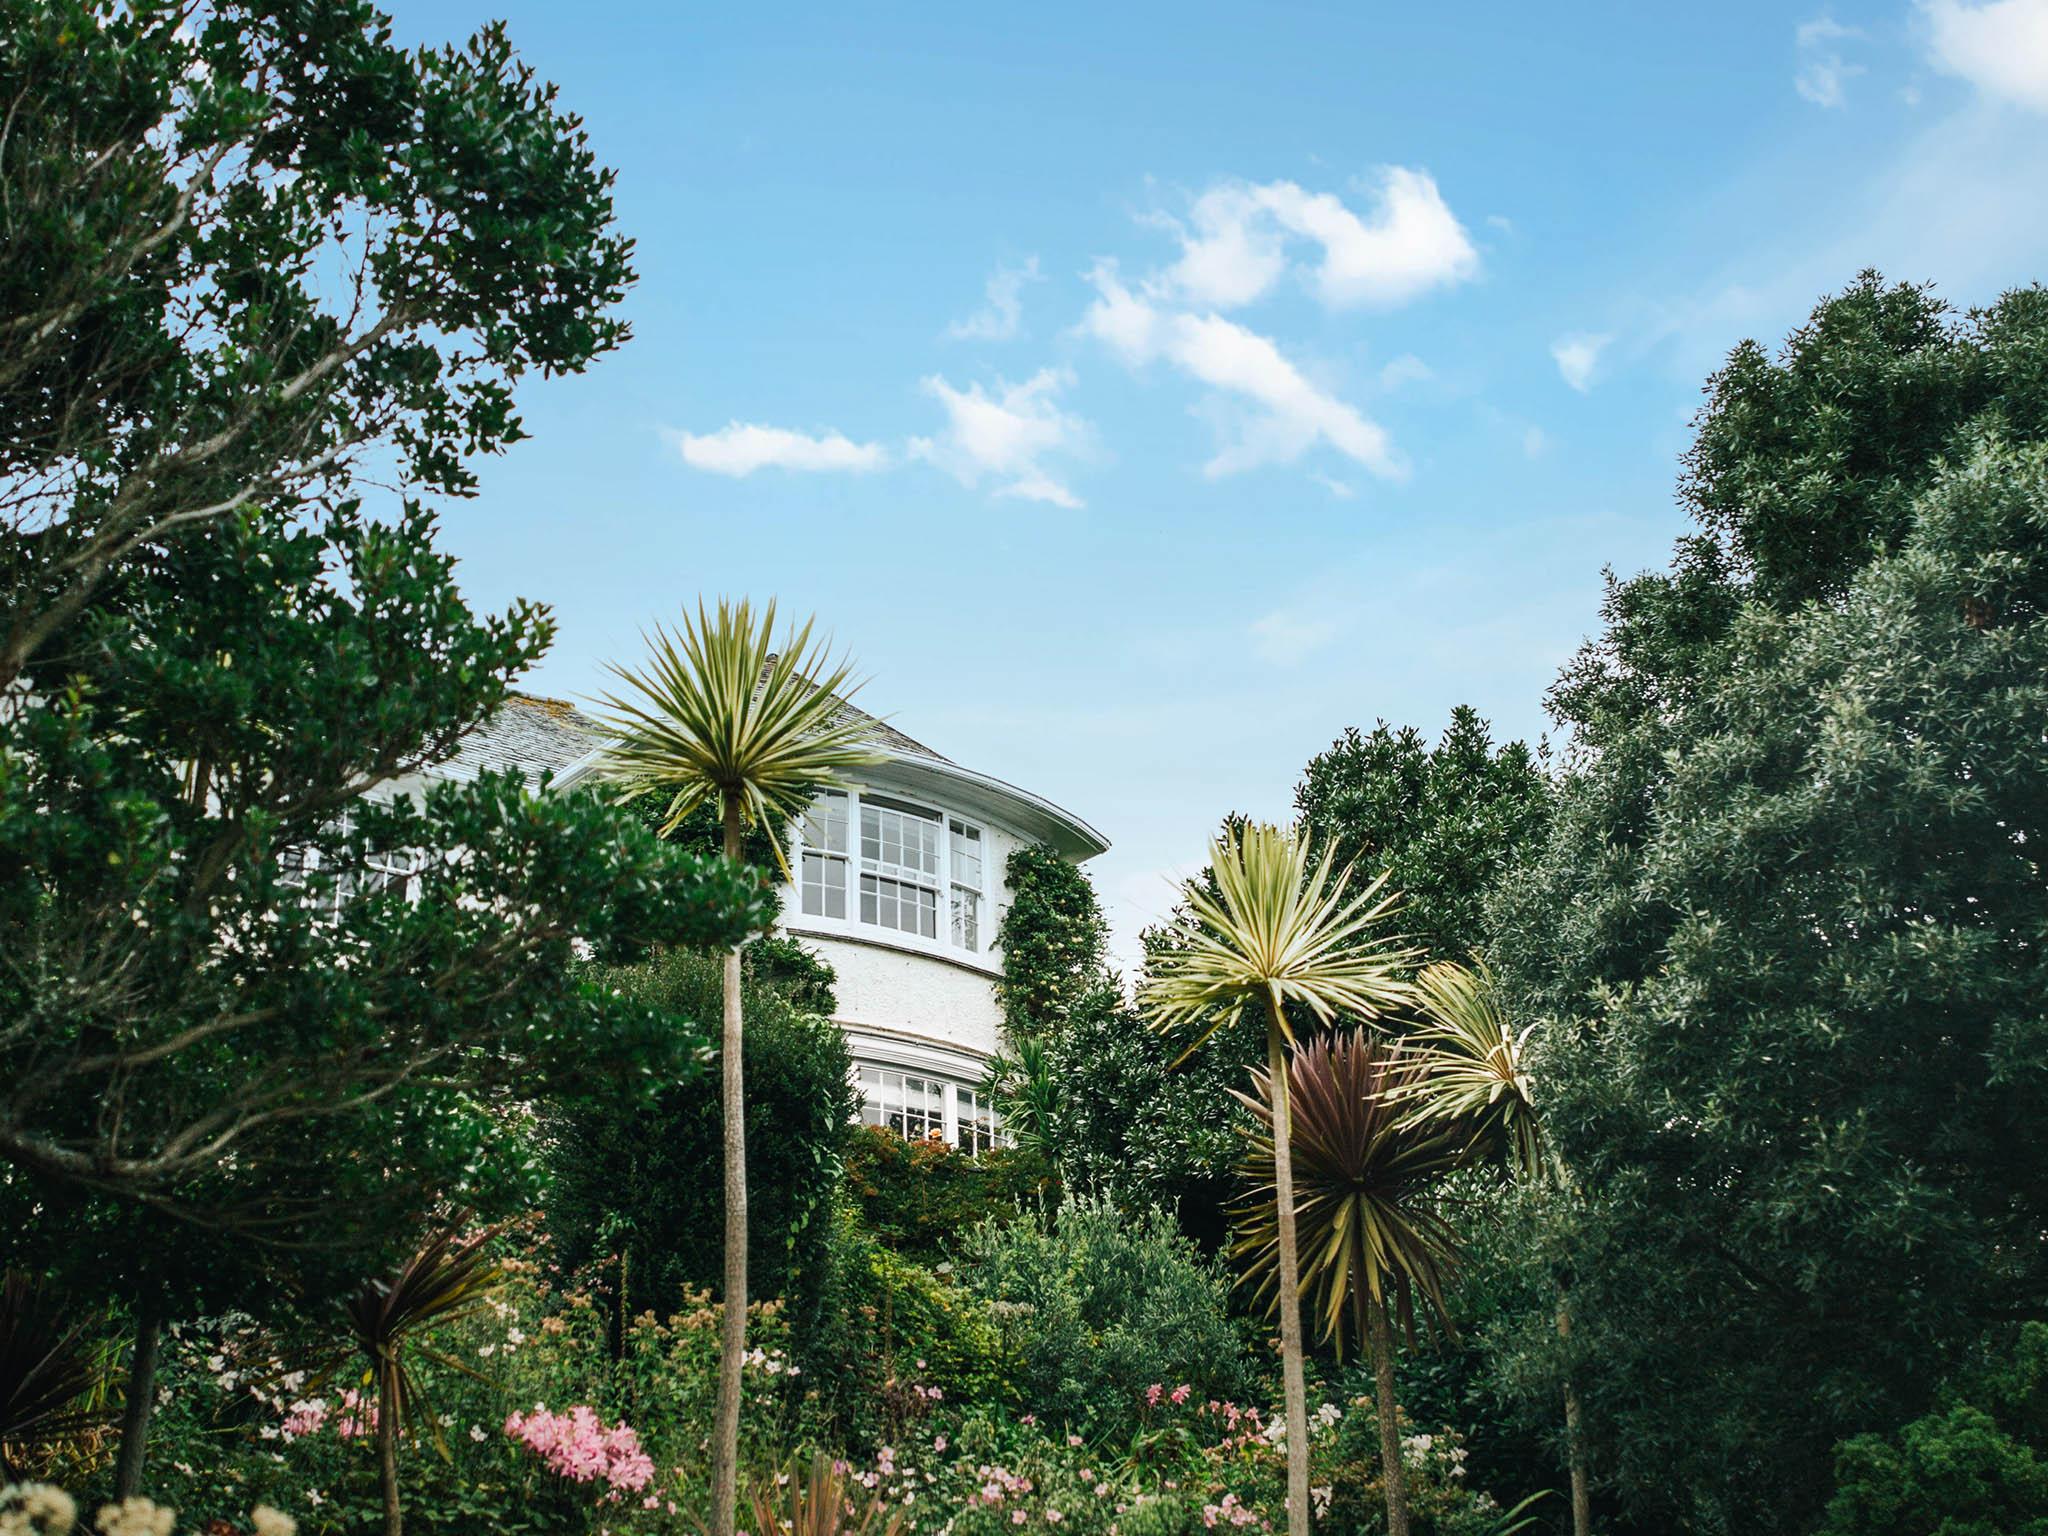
[(1477, 1078), (1278, 932), (720, 715), (1367, 1179)]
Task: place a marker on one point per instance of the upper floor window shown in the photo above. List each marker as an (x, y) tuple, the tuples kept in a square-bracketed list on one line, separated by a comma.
[(913, 870)]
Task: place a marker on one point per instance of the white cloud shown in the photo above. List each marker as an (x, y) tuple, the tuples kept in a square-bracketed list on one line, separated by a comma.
[(1405, 369), (1535, 442), (1577, 357), (740, 448), (2000, 47), (1235, 247), (1823, 75), (1340, 489), (1822, 81), (1003, 316), (1285, 638), (1288, 414), (1234, 253), (1006, 435)]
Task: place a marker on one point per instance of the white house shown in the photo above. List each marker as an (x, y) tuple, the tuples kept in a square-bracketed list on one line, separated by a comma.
[(899, 886)]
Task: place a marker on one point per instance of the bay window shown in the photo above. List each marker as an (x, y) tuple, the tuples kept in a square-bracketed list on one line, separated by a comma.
[(872, 860)]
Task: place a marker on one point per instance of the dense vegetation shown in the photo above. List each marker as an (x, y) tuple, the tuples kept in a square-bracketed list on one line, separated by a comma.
[(329, 1170)]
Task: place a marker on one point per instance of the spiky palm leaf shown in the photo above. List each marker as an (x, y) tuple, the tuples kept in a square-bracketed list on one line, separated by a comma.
[(720, 710), (1476, 1076), (826, 1503), (53, 1372), (449, 1277), (1279, 929), (1366, 1172), (1028, 1092)]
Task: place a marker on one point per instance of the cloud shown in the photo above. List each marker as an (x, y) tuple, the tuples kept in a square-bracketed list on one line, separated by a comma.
[(1288, 415), (1286, 639), (1405, 369), (1340, 489), (1235, 247), (740, 448), (1535, 442), (1577, 356), (1823, 75), (2000, 47), (1006, 435), (1003, 316)]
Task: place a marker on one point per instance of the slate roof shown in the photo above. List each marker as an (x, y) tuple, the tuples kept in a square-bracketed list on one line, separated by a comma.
[(538, 735), (532, 734)]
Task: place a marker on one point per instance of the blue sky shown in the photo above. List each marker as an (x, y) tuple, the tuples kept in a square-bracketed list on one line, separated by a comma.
[(1145, 393)]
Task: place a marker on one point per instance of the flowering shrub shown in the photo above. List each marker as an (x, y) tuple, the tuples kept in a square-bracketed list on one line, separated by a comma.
[(578, 1446)]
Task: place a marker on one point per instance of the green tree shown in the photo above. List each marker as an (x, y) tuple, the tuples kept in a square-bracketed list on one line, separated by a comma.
[(626, 1175), (1054, 943), (720, 717), (1785, 925), (1272, 931), (239, 260), (1443, 823)]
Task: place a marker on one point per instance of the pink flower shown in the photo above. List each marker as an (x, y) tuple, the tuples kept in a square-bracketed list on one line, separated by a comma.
[(1181, 1393), (1016, 1517), (1152, 1395), (578, 1446)]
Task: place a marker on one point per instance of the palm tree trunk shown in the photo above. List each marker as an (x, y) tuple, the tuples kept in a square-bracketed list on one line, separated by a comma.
[(387, 1459), (1389, 1417), (1574, 1435), (141, 1402), (725, 1447), (1295, 1391)]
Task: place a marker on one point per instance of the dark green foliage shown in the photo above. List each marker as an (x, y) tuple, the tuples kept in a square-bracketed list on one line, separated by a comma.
[(1137, 1128), (1053, 941), (640, 1177), (1787, 922), (1978, 1466), (1095, 1306), (920, 1197), (237, 260), (53, 1373), (783, 965), (1441, 823)]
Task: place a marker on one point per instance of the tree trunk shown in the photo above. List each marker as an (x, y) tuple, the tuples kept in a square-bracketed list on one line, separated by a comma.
[(1389, 1417), (141, 1403), (387, 1460), (1296, 1392), (725, 1448), (1574, 1435)]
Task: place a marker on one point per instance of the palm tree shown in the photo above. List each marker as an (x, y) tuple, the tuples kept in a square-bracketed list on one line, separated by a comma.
[(721, 716), (449, 1277), (1478, 1078), (1366, 1176), (1276, 932)]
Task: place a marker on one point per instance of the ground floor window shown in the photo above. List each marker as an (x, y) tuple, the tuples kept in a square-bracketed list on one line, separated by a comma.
[(917, 1105)]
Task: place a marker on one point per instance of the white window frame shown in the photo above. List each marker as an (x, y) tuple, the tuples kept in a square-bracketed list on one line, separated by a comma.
[(944, 883), (961, 1106)]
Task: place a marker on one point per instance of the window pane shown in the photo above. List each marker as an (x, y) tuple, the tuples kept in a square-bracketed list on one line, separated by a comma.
[(966, 918), (967, 855), (824, 825)]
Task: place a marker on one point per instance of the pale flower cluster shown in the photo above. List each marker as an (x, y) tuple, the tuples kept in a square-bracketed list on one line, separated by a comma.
[(36, 1509), (135, 1517), (577, 1445)]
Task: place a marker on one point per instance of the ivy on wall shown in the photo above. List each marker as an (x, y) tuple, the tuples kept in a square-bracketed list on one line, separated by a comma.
[(1054, 943)]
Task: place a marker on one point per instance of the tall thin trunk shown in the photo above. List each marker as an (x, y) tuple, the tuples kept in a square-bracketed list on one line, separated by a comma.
[(387, 1456), (141, 1403), (1295, 1391), (1574, 1434), (725, 1448), (1389, 1417)]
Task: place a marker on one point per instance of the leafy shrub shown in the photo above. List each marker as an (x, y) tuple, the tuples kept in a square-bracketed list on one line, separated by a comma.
[(1973, 1467), (639, 1179), (921, 1196), (1053, 938), (1094, 1306)]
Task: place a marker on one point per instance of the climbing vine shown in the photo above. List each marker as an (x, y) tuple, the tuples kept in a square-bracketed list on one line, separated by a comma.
[(1054, 941)]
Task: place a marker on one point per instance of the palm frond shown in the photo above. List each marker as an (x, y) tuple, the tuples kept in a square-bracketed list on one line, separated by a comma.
[(54, 1374), (448, 1278), (1367, 1220), (828, 1502), (1476, 1076), (720, 709), (1281, 928)]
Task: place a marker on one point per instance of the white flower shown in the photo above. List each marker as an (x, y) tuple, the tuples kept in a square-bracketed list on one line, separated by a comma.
[(272, 1522), (37, 1508)]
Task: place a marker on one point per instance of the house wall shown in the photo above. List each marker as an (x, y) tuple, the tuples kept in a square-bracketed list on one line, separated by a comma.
[(898, 986)]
